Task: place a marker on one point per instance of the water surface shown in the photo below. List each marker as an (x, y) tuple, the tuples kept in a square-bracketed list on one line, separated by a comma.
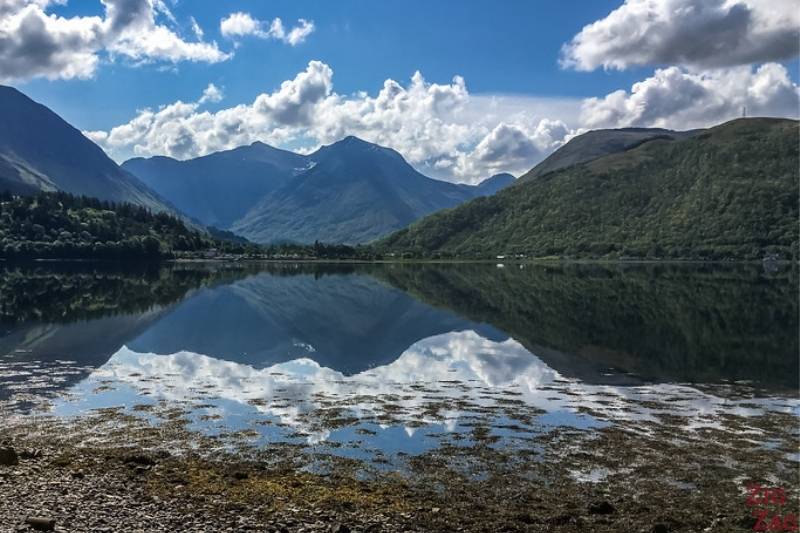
[(387, 361)]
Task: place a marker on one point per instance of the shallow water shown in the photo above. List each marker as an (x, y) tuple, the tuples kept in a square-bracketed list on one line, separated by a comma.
[(381, 362)]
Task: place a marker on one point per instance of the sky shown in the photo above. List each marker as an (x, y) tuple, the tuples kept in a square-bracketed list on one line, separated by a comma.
[(463, 89)]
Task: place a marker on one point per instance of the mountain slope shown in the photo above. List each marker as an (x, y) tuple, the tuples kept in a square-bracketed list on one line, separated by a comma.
[(219, 188), (491, 185), (598, 143), (728, 192), (355, 192), (41, 152)]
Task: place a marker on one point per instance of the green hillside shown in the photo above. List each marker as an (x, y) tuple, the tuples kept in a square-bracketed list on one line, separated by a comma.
[(730, 192), (59, 225)]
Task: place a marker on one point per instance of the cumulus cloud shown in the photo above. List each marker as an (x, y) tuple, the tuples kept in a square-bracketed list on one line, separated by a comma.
[(696, 33), (513, 146), (238, 25), (439, 128), (442, 129), (212, 93), (242, 24), (184, 130), (35, 43), (679, 99)]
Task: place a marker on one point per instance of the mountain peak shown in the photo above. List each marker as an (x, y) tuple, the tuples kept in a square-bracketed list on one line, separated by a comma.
[(352, 139), (353, 142), (502, 176), (494, 183), (352, 146)]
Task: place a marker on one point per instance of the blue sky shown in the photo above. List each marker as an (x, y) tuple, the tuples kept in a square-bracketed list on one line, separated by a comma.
[(508, 48), (523, 92)]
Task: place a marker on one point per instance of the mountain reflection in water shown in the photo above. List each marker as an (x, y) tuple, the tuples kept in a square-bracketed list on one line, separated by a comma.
[(601, 325)]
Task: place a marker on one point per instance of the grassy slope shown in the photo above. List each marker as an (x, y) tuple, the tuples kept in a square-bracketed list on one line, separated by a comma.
[(731, 192)]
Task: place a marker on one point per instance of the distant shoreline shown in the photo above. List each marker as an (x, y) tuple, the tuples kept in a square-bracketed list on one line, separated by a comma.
[(531, 261)]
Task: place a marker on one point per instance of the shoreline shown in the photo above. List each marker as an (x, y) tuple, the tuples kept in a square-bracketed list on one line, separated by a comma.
[(532, 261), (153, 473)]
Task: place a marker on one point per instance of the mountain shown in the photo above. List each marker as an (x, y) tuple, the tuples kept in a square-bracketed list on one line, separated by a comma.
[(219, 188), (598, 143), (39, 151), (489, 186), (270, 195), (355, 192), (727, 192)]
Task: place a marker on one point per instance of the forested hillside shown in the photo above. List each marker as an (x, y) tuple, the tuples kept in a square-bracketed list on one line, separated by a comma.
[(59, 225), (730, 192)]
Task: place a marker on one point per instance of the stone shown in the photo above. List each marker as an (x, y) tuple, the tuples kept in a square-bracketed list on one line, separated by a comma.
[(40, 523), (140, 459), (602, 507), (8, 456), (30, 454)]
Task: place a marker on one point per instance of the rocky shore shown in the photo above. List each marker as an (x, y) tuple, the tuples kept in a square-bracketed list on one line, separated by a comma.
[(114, 472)]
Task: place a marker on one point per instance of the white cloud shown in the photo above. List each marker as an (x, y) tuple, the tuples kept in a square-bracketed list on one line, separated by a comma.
[(238, 25), (443, 130), (196, 29), (294, 36), (697, 33), (293, 103), (513, 146), (439, 128), (241, 24), (35, 43), (679, 99), (212, 93)]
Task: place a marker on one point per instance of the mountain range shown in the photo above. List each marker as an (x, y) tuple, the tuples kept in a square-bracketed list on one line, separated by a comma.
[(729, 192), (219, 188), (349, 192), (39, 151)]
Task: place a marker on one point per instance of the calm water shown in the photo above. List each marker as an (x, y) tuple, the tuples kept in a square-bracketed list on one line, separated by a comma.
[(384, 360)]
